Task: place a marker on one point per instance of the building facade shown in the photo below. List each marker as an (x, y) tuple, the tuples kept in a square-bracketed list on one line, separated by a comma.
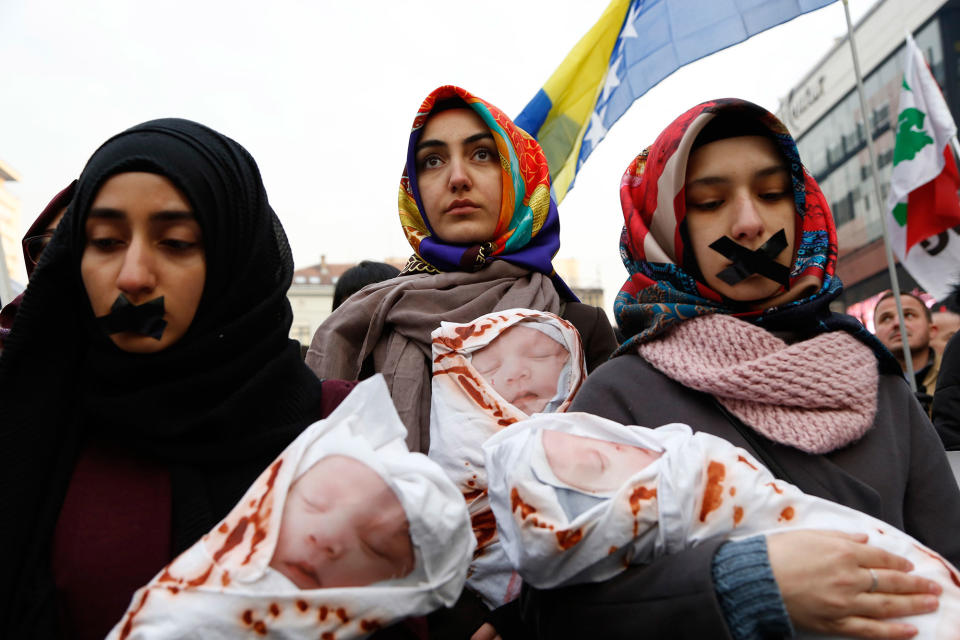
[(823, 113), (12, 266), (311, 295)]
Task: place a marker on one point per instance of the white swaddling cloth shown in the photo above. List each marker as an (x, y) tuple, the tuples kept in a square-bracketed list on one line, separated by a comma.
[(574, 510), (467, 408), (225, 587)]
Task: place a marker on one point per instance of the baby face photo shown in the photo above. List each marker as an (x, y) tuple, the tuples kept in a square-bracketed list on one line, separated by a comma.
[(524, 365), (342, 526), (591, 464)]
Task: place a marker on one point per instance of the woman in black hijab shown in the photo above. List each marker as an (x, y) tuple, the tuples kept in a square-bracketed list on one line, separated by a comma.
[(148, 377)]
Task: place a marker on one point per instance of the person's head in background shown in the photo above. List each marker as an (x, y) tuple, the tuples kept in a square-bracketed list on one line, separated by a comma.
[(523, 364), (947, 323), (919, 325), (39, 234), (359, 276)]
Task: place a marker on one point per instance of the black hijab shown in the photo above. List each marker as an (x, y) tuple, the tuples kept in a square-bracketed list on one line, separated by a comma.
[(214, 408)]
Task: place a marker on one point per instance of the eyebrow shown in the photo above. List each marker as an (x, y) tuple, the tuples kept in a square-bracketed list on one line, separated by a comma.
[(106, 213), (440, 143), (762, 173)]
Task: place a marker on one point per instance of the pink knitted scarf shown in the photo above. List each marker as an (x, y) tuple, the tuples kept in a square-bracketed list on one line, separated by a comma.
[(817, 395)]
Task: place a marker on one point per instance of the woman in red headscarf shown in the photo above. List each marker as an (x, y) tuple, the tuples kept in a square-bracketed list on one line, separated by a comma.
[(731, 251)]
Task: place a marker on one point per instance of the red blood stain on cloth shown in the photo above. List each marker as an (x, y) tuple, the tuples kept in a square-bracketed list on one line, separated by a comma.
[(484, 528), (302, 605), (440, 357), (173, 590), (258, 537), (786, 514), (225, 579), (746, 462), (235, 538), (953, 574), (469, 385), (128, 625), (342, 614), (517, 503), (223, 528), (737, 515), (369, 625), (260, 627), (613, 550), (462, 334), (322, 613), (713, 492), (274, 609), (201, 579), (775, 487), (506, 422), (470, 496), (640, 495), (567, 539), (327, 635), (247, 617), (733, 491)]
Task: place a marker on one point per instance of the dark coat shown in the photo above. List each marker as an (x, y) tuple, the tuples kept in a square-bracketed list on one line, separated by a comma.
[(946, 401), (897, 472), (595, 331)]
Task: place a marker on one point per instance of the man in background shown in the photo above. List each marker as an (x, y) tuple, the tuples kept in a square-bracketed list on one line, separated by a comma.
[(920, 331)]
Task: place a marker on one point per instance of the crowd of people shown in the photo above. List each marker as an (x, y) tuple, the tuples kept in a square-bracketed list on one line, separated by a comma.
[(466, 450)]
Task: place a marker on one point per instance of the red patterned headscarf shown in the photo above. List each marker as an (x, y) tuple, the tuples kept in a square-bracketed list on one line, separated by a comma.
[(528, 230), (660, 292)]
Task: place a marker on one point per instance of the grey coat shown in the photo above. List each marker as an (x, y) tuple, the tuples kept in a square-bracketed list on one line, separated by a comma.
[(897, 472)]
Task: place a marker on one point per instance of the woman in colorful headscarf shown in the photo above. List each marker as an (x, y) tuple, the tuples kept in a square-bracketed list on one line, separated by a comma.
[(475, 206), (130, 435), (731, 251)]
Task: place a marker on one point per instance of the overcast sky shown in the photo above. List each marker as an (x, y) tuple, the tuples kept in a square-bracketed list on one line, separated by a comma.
[(323, 94)]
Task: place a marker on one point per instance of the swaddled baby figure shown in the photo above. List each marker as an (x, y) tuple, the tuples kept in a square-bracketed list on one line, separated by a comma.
[(578, 498), (346, 532), (488, 374)]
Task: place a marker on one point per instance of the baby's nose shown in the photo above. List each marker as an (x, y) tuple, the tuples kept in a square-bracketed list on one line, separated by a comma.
[(327, 546)]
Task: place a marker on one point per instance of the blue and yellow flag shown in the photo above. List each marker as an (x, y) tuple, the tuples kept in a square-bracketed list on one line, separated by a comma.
[(634, 45)]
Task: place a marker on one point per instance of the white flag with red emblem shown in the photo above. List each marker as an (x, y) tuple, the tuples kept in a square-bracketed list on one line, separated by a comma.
[(923, 205)]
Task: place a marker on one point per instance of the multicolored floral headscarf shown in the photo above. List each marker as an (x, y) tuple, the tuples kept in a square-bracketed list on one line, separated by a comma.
[(528, 231), (663, 291)]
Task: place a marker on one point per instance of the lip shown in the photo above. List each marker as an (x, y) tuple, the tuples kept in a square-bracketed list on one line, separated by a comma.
[(461, 207), (305, 572)]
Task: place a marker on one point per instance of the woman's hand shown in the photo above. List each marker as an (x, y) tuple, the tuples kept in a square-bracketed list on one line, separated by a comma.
[(827, 585), (486, 632)]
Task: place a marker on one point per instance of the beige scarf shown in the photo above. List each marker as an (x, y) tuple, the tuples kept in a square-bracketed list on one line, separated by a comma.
[(392, 322)]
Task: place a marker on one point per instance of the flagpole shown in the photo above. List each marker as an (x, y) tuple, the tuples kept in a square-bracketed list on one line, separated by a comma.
[(894, 283)]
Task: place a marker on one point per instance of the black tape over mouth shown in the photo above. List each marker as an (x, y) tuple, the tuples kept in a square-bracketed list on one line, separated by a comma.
[(747, 262), (145, 319)]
